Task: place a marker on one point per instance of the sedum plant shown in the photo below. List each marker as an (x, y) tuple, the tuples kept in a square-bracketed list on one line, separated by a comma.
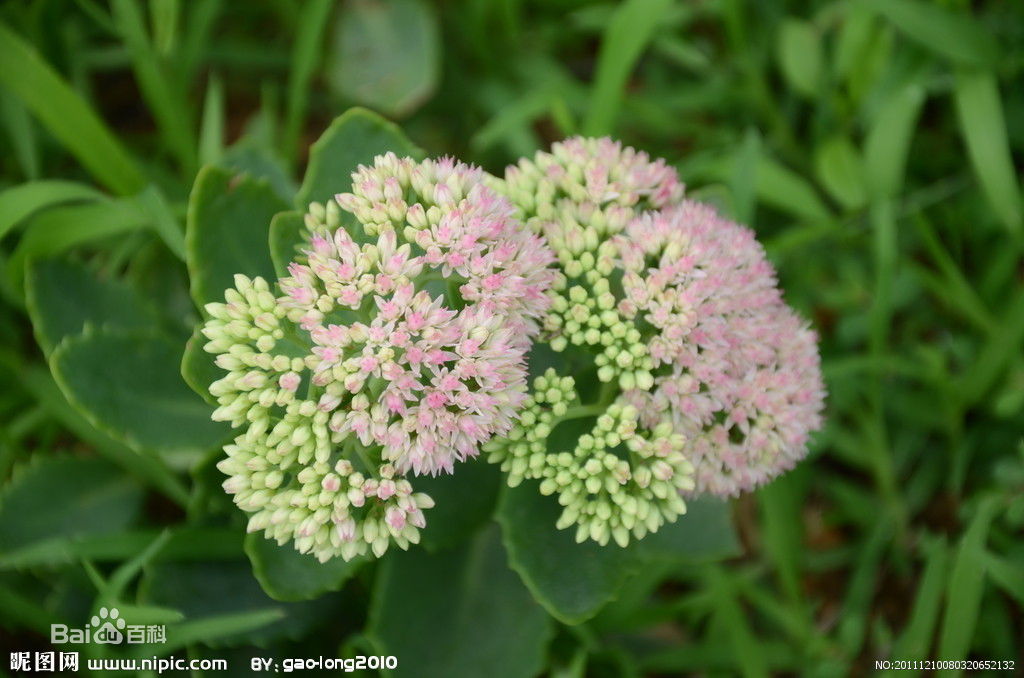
[(703, 379), (396, 346)]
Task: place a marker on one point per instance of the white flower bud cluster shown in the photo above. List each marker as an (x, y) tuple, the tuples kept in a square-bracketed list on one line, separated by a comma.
[(294, 493), (280, 469), (396, 347), (621, 479)]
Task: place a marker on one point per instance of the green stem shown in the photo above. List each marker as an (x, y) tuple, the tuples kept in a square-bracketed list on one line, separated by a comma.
[(581, 411)]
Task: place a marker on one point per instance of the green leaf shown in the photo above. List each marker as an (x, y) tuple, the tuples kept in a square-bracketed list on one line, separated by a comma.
[(21, 129), (629, 31), (572, 581), (1006, 574), (780, 187), (917, 635), (62, 496), (65, 115), (166, 101), (39, 382), (743, 183), (464, 502), (703, 533), (853, 39), (966, 586), (228, 222), (210, 593), (841, 172), (460, 612), (307, 50), (163, 220), (984, 130), (20, 202), (955, 35), (127, 384), (62, 228), (800, 56), (386, 54), (253, 157), (747, 650), (188, 543), (197, 367), (225, 629), (211, 127), (287, 235), (353, 139), (888, 141), (990, 364), (63, 297), (285, 574)]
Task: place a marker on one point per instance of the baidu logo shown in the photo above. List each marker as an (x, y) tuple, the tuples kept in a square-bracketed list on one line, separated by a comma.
[(107, 627)]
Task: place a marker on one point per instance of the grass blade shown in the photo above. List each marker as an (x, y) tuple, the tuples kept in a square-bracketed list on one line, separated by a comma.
[(66, 115), (924, 617), (984, 130), (306, 56), (746, 648), (22, 133), (629, 32), (888, 141), (955, 35), (211, 130), (966, 584), (993, 358), (20, 202), (62, 228), (167, 105)]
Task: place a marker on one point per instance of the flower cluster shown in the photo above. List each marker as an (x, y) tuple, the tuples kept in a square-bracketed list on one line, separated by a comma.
[(621, 477), (678, 313), (395, 346)]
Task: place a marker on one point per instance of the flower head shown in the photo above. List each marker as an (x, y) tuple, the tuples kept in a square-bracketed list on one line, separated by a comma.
[(678, 312), (395, 346)]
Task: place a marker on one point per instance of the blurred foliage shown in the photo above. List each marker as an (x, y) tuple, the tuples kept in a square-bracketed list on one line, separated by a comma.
[(874, 145)]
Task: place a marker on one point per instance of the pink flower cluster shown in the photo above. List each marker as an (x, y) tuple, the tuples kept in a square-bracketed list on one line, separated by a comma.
[(441, 377), (396, 347), (742, 374), (677, 306)]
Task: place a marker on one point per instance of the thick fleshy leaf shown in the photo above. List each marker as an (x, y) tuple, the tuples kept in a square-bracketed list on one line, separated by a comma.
[(63, 297), (228, 222), (211, 591), (386, 54), (703, 533), (62, 496), (64, 227), (464, 502), (287, 575), (197, 367), (127, 384), (286, 236), (460, 612), (353, 139), (572, 581), (253, 158)]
